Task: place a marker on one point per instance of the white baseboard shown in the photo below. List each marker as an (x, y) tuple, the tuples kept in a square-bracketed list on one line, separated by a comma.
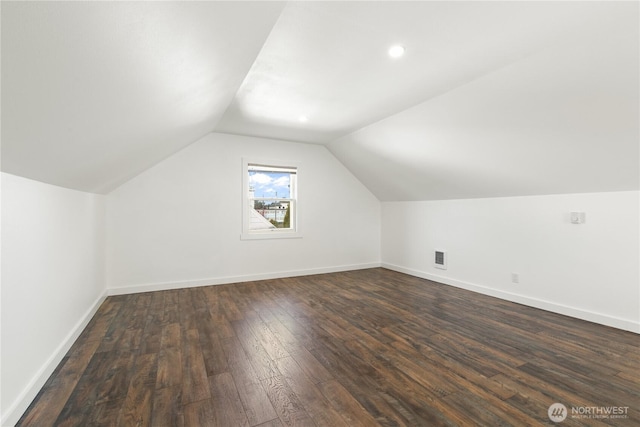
[(149, 287), (12, 414), (603, 319)]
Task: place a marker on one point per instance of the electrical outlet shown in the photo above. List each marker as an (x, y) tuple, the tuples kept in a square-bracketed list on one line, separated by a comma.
[(578, 217), (515, 278)]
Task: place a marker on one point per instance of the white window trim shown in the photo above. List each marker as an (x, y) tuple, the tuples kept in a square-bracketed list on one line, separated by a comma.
[(246, 234)]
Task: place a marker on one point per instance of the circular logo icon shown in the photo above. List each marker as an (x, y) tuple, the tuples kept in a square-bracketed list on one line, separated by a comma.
[(557, 412)]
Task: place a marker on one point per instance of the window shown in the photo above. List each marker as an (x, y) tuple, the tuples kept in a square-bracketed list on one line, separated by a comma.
[(270, 200)]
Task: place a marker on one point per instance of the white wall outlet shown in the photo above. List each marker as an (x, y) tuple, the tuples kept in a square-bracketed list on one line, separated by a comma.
[(577, 217), (515, 278)]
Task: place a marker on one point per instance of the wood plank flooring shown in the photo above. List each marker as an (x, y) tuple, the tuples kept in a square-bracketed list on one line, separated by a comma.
[(362, 348)]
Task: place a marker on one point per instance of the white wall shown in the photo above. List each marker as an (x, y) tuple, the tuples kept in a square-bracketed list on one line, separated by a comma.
[(53, 251), (179, 223), (590, 271)]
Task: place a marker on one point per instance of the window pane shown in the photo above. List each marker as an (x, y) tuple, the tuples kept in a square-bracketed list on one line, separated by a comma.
[(271, 198), (269, 184), (269, 214)]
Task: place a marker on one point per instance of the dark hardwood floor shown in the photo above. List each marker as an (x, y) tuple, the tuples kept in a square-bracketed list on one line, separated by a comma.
[(361, 348)]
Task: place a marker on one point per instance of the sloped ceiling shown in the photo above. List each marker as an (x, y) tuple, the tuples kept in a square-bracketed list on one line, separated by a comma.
[(490, 99), (95, 92)]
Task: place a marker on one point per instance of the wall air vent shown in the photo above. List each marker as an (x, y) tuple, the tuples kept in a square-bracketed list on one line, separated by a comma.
[(440, 259)]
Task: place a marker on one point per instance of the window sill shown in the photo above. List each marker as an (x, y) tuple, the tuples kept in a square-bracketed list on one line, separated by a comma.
[(270, 235)]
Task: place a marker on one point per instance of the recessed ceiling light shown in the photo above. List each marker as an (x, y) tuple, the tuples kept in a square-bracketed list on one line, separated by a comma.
[(396, 51), (303, 119)]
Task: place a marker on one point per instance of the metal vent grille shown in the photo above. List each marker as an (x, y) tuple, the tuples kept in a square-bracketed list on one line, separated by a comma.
[(440, 260)]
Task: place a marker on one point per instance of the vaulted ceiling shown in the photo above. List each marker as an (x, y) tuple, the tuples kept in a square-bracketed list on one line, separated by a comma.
[(490, 98)]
